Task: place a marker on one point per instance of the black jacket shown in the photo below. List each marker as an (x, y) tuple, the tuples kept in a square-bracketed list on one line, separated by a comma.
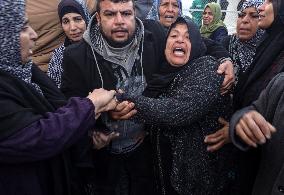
[(81, 74)]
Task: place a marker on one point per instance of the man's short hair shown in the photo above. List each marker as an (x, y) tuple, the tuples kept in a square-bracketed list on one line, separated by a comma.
[(98, 9)]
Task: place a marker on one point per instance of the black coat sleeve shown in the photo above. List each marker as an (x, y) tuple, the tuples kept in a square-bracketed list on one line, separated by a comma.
[(268, 101), (74, 76), (215, 49)]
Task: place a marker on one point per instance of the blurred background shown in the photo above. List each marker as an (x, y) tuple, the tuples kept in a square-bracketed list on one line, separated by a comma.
[(231, 11)]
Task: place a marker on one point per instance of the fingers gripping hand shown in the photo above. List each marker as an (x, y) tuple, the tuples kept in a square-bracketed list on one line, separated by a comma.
[(218, 139), (227, 69), (101, 98), (123, 110)]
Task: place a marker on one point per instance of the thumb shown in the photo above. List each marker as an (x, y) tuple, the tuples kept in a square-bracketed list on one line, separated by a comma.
[(221, 68)]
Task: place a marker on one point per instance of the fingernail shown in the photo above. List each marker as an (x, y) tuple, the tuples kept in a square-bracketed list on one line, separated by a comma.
[(268, 136), (262, 141)]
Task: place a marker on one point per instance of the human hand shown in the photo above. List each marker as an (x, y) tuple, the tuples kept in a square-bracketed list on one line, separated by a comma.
[(101, 140), (103, 100), (227, 69), (218, 139), (123, 110), (253, 129)]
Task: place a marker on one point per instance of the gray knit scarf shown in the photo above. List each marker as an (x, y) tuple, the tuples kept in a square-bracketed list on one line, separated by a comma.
[(124, 56)]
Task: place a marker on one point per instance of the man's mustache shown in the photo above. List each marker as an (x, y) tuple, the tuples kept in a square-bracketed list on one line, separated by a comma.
[(119, 30)]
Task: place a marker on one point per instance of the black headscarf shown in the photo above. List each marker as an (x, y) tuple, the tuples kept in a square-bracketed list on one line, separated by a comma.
[(268, 50), (73, 6), (161, 80)]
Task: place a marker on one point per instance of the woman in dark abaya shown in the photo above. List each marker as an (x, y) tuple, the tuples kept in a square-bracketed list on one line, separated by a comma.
[(37, 124), (182, 104)]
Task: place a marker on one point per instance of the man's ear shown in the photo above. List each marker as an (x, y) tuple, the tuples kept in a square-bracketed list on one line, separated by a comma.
[(98, 18)]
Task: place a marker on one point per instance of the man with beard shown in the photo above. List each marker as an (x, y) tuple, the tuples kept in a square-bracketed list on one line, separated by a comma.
[(118, 52)]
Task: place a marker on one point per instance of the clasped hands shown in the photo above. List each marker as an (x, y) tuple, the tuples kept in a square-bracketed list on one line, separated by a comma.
[(104, 101)]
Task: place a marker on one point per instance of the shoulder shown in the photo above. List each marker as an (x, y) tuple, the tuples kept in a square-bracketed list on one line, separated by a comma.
[(202, 73), (276, 84), (151, 23), (206, 61), (57, 56), (219, 33), (154, 27), (206, 66), (220, 30), (202, 65), (77, 53), (79, 47), (226, 41), (59, 49), (5, 78)]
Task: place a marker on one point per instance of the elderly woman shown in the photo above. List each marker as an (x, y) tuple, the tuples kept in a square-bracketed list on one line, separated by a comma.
[(242, 48), (182, 104), (74, 18), (166, 11), (37, 124), (212, 25)]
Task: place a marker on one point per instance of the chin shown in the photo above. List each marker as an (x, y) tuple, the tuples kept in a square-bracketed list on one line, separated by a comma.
[(76, 39), (120, 41), (178, 63)]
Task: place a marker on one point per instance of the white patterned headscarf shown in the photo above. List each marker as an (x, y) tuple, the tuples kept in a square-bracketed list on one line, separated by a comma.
[(12, 18), (251, 3)]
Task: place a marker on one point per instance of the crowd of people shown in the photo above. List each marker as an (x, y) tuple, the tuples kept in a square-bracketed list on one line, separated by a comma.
[(141, 100)]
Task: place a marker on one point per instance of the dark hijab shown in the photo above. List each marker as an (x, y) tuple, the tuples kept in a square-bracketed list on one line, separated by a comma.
[(72, 6), (161, 80), (266, 53)]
